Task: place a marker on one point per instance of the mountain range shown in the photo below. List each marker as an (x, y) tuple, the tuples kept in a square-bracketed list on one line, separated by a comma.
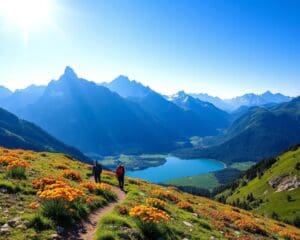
[(180, 120), (205, 110), (94, 119), (124, 116), (248, 100), (259, 133), (17, 133)]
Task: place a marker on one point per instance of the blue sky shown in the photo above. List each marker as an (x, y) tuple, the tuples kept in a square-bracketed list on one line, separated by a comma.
[(221, 47)]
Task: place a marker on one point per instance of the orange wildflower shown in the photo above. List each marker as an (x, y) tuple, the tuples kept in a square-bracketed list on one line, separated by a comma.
[(155, 202), (71, 174), (34, 205), (185, 206), (149, 214), (163, 194)]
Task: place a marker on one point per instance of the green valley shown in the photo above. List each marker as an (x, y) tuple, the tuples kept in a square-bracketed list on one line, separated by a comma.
[(210, 181)]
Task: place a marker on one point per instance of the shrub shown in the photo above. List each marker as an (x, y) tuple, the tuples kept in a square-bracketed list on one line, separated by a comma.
[(164, 195), (60, 190), (40, 223), (61, 202), (61, 166), (6, 159), (155, 202), (78, 210), (57, 210), (185, 206), (17, 173), (134, 181), (288, 235), (250, 226), (148, 220), (15, 167), (149, 214), (40, 184), (149, 230), (102, 189), (71, 174), (232, 215)]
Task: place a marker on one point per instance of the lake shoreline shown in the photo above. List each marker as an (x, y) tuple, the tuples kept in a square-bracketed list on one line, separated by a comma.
[(175, 167)]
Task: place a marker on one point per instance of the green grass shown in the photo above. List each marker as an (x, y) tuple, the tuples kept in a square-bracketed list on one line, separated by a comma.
[(242, 166), (273, 202), (206, 181), (208, 220), (17, 193)]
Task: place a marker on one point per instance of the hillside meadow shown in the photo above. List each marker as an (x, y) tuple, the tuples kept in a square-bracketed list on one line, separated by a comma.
[(44, 195), (274, 190)]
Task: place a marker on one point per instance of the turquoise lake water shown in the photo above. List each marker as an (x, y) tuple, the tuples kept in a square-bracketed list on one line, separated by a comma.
[(177, 168)]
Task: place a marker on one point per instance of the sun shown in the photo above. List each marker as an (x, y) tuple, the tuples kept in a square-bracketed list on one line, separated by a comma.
[(26, 14)]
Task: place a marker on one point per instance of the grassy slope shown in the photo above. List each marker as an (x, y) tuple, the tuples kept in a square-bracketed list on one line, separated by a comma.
[(15, 202), (273, 201), (207, 181), (207, 218)]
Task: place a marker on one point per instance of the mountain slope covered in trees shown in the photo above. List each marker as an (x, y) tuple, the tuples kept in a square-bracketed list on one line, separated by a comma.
[(259, 133)]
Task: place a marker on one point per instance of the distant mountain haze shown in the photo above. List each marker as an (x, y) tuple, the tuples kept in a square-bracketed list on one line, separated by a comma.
[(17, 133), (4, 92), (15, 101), (217, 118), (218, 102), (127, 89), (249, 99)]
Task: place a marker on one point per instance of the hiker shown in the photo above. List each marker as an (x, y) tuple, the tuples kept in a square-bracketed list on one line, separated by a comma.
[(120, 172), (97, 170)]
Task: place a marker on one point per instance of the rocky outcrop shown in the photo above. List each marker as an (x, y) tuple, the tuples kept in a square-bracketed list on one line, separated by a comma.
[(284, 183)]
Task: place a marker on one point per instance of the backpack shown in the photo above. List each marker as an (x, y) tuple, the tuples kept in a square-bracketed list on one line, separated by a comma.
[(120, 171)]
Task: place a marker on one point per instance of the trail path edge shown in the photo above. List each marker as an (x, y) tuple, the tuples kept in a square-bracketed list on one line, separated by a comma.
[(87, 229)]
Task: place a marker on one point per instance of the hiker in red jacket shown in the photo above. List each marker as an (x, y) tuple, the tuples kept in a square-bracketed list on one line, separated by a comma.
[(120, 173)]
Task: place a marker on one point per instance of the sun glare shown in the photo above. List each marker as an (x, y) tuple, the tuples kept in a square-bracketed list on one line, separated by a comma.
[(25, 13)]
